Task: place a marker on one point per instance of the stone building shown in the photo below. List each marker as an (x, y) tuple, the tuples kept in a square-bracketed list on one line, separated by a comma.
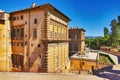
[(5, 42), (84, 63), (77, 40), (40, 39)]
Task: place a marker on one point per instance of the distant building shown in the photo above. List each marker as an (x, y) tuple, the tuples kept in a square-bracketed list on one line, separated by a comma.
[(40, 39), (77, 40), (5, 42), (105, 48)]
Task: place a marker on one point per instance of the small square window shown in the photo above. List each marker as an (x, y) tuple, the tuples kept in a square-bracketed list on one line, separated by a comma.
[(25, 42), (31, 44), (40, 56), (38, 45), (25, 22), (26, 35), (35, 21)]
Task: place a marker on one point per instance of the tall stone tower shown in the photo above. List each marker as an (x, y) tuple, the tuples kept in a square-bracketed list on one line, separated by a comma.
[(5, 42)]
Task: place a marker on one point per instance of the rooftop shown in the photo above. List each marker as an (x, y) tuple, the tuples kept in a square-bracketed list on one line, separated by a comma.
[(87, 56), (76, 28), (34, 6)]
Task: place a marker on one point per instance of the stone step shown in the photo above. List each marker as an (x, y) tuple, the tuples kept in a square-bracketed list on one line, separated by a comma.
[(116, 67)]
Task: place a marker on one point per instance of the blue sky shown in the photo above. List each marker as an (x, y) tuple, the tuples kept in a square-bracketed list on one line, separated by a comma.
[(92, 15)]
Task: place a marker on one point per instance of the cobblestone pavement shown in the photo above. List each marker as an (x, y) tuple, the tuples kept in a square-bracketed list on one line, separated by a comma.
[(45, 76)]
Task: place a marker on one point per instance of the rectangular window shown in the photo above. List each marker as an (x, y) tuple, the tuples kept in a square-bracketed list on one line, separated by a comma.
[(25, 42), (35, 33), (13, 60), (13, 33), (40, 56), (31, 44), (21, 61), (21, 32), (14, 18), (18, 31), (25, 35), (17, 60), (38, 45), (21, 17), (35, 21), (25, 22)]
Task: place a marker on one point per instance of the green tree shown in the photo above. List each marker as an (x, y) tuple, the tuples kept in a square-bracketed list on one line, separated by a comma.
[(106, 32), (115, 36), (106, 39)]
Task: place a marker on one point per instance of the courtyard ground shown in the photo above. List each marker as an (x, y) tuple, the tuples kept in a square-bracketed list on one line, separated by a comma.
[(46, 76)]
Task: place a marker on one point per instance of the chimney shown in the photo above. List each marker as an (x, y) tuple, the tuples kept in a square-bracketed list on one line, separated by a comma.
[(33, 5)]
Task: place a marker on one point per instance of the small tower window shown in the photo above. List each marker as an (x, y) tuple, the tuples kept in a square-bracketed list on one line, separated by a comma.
[(35, 21)]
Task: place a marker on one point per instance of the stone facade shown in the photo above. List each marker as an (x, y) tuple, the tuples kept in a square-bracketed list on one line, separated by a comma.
[(84, 62), (83, 65), (40, 39), (77, 40), (5, 42)]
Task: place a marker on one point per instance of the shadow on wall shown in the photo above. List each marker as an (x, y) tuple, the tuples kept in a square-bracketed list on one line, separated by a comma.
[(36, 59)]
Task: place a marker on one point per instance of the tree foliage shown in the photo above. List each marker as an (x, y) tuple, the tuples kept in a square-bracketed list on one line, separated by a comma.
[(115, 36), (110, 38), (106, 32)]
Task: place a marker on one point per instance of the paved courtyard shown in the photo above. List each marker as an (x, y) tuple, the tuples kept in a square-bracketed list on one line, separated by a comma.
[(113, 74), (45, 76)]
